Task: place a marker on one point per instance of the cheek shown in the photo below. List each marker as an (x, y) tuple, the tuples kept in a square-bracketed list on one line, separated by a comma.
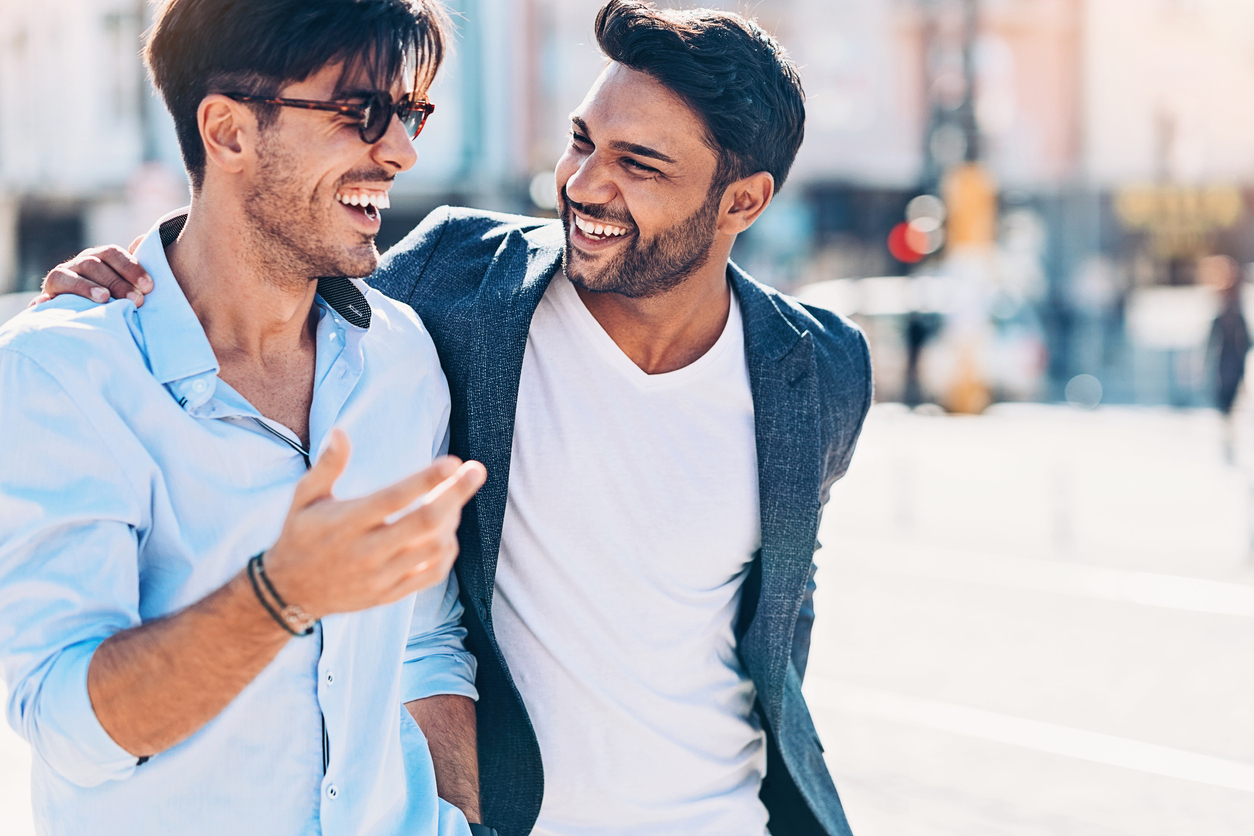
[(651, 212)]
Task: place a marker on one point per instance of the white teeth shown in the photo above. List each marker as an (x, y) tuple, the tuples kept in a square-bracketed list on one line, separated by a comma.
[(595, 229), (379, 200)]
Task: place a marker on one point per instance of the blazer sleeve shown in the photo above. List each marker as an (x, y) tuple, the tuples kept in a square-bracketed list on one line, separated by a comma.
[(846, 395), (402, 266)]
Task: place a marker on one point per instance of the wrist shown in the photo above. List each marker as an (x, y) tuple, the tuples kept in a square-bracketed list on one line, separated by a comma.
[(288, 615), (289, 580)]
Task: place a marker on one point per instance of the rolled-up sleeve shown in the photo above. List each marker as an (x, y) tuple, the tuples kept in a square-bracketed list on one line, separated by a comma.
[(68, 569), (436, 659)]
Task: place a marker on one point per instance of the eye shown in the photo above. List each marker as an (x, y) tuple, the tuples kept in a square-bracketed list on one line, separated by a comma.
[(579, 139), (639, 167)]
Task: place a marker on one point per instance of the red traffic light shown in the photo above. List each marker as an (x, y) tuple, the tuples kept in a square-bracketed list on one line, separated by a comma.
[(902, 246)]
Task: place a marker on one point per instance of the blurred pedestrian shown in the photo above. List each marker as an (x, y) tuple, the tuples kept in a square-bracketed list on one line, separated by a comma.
[(1229, 337), (920, 328)]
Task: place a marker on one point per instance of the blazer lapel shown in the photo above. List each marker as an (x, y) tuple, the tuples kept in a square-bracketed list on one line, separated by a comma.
[(784, 384), (509, 294)]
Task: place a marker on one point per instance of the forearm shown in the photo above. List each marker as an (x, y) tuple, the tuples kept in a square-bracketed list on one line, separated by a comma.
[(154, 686), (448, 722)]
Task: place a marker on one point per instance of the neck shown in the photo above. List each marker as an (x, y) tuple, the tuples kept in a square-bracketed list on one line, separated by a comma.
[(669, 331), (249, 305)]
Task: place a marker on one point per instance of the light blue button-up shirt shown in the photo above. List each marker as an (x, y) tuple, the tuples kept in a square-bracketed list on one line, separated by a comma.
[(134, 482)]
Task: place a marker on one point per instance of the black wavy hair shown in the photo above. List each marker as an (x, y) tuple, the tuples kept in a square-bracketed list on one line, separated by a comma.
[(733, 75), (199, 47)]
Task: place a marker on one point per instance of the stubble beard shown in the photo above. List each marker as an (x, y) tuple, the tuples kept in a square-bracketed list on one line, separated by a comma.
[(645, 269), (295, 231)]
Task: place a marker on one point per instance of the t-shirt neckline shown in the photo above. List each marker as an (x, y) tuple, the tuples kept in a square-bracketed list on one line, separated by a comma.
[(571, 305)]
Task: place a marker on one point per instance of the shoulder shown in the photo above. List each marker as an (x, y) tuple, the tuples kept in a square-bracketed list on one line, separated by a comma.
[(840, 346), (842, 364), (394, 324), (73, 336), (453, 247), (67, 368)]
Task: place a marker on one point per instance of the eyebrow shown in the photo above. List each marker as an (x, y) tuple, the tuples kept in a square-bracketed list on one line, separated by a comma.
[(628, 147)]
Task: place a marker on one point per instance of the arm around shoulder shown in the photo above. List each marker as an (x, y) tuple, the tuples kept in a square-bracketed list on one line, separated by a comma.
[(401, 267)]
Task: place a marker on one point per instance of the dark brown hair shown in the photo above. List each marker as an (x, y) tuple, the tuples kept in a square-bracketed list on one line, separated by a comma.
[(733, 75), (199, 47)]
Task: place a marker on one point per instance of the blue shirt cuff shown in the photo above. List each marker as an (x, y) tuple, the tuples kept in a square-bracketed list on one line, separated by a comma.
[(444, 673), (65, 732)]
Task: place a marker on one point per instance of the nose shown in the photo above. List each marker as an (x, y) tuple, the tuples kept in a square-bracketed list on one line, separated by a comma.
[(395, 150), (590, 183)]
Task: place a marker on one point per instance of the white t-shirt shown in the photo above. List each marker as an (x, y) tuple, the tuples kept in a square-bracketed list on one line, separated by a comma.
[(631, 522)]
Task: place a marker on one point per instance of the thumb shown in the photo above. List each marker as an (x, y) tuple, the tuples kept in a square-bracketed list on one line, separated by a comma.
[(135, 245), (317, 483)]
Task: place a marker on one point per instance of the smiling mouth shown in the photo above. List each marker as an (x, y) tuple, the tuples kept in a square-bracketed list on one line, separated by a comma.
[(368, 202), (596, 230)]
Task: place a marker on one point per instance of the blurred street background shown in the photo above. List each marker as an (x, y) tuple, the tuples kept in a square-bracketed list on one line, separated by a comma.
[(1036, 596)]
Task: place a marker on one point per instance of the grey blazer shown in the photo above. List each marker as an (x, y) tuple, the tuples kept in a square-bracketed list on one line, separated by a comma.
[(476, 278)]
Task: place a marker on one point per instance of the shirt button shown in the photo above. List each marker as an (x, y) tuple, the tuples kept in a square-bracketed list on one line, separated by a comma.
[(332, 792), (330, 678), (199, 386)]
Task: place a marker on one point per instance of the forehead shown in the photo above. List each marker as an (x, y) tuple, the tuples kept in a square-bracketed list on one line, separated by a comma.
[(625, 105), (340, 78)]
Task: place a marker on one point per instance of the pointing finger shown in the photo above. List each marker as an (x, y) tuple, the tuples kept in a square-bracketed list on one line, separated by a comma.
[(318, 482)]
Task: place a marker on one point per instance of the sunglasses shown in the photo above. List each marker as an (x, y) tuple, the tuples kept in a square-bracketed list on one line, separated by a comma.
[(372, 116)]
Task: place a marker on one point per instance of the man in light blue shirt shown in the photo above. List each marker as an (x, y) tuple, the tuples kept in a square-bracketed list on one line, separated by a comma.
[(213, 616)]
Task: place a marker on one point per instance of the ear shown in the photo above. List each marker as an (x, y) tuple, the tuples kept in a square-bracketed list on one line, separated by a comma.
[(228, 130), (744, 201)]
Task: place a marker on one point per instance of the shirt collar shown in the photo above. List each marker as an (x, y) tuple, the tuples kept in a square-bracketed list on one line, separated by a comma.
[(179, 353), (174, 339)]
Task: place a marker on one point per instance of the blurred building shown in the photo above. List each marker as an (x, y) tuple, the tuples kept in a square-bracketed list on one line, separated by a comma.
[(88, 153), (1112, 130)]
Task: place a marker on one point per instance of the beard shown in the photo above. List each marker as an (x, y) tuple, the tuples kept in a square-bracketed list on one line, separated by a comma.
[(298, 233), (643, 269)]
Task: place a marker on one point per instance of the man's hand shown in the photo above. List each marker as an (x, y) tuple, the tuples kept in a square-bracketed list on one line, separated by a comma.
[(342, 556), (155, 685), (98, 274), (448, 723)]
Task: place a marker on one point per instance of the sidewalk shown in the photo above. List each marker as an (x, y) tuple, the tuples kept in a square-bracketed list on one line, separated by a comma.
[(1037, 623)]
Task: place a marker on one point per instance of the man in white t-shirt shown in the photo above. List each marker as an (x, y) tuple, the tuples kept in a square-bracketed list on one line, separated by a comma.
[(661, 433)]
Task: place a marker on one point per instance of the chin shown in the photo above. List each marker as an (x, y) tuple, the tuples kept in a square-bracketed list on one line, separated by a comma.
[(358, 263)]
